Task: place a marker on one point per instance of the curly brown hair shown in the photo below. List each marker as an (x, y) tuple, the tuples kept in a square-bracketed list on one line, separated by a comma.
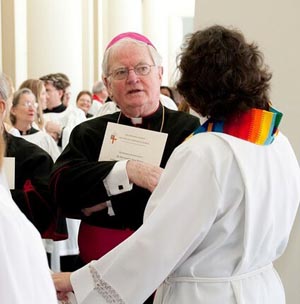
[(221, 74)]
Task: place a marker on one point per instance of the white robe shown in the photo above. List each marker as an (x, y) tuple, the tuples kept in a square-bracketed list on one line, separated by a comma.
[(221, 214), (24, 273), (67, 119), (95, 107), (44, 141)]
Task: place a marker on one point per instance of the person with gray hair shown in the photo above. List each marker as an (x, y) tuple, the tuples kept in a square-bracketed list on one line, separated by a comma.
[(22, 115), (25, 276), (98, 87), (100, 96), (110, 195)]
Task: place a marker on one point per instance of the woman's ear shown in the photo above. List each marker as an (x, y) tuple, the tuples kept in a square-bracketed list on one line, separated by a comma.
[(13, 111), (2, 107)]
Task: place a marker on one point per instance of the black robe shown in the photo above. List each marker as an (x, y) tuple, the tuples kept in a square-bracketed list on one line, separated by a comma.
[(77, 178), (32, 194)]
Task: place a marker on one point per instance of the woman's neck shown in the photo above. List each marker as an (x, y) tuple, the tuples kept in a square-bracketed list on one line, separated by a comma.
[(23, 126)]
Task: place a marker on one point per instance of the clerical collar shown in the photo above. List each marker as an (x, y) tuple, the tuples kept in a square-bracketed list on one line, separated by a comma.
[(257, 126), (32, 130), (147, 121), (137, 120), (57, 109)]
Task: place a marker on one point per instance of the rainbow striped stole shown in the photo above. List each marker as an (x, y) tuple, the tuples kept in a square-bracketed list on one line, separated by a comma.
[(257, 126)]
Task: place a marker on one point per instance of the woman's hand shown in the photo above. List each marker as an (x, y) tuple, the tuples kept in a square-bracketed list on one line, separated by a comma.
[(62, 284), (54, 130)]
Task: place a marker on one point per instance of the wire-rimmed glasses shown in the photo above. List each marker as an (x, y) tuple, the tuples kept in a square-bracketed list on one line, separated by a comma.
[(122, 73)]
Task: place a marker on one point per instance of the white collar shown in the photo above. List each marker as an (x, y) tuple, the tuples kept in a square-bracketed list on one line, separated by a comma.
[(137, 120)]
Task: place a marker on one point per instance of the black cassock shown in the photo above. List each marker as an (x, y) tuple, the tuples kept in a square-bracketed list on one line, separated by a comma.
[(77, 178), (33, 166)]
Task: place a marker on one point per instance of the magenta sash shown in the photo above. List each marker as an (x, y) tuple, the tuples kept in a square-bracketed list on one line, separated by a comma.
[(94, 242)]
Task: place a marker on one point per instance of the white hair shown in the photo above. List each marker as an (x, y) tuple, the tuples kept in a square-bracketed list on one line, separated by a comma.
[(156, 57)]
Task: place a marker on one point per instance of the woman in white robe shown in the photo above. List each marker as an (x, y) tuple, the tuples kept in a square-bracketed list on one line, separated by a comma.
[(22, 115), (224, 208)]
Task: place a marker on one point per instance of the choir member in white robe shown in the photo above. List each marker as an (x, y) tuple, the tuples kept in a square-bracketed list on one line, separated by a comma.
[(200, 241), (22, 115), (224, 208)]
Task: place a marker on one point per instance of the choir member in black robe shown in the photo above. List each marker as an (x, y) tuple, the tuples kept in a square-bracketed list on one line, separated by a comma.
[(31, 192)]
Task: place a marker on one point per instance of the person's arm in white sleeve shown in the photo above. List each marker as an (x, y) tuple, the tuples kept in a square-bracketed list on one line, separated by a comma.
[(112, 274)]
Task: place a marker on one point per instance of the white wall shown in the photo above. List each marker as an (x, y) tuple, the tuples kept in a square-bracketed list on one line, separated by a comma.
[(14, 44), (175, 11), (55, 34), (274, 25)]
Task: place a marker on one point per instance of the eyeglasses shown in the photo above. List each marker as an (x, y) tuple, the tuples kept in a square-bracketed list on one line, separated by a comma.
[(28, 104), (122, 73)]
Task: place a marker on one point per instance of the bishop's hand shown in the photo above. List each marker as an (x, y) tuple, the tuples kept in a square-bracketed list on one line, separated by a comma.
[(144, 175)]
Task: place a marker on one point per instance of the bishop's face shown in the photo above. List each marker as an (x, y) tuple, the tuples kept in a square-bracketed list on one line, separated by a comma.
[(136, 95)]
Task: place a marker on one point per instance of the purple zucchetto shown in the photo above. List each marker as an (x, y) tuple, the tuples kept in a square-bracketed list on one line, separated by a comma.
[(132, 35)]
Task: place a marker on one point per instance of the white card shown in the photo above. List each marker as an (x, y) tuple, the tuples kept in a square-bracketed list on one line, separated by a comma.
[(125, 142)]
